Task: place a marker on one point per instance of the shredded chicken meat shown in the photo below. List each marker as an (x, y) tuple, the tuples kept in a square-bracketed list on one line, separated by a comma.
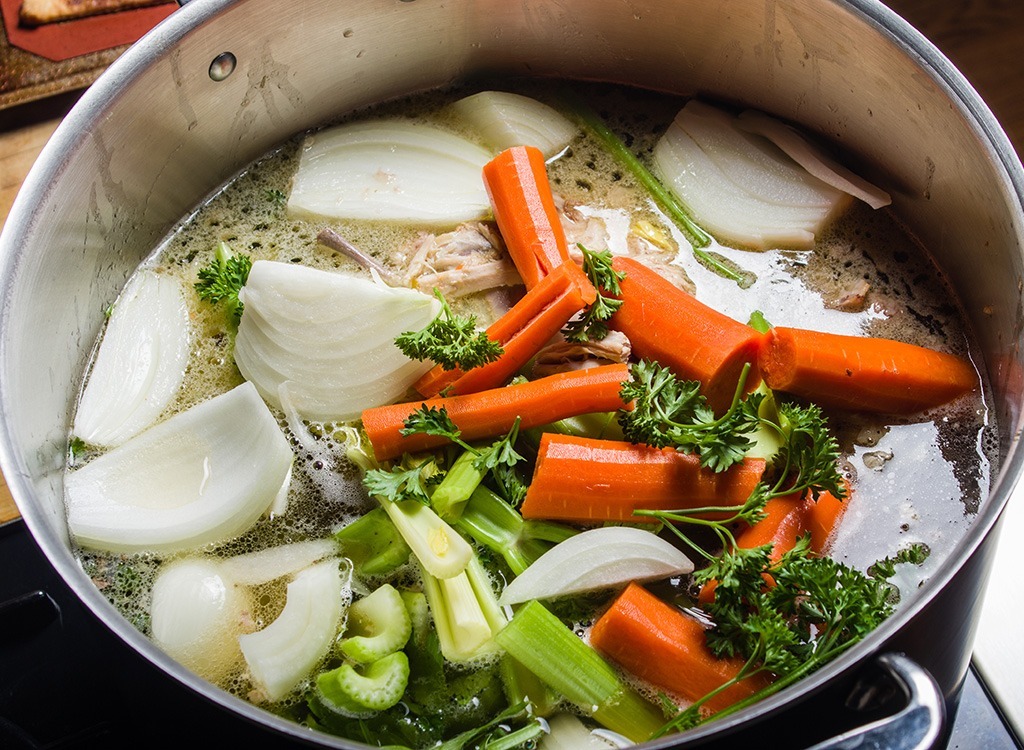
[(563, 356), (469, 259)]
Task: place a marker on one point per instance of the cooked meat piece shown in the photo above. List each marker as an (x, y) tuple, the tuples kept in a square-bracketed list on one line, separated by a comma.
[(471, 258), (589, 231), (853, 297), (563, 356)]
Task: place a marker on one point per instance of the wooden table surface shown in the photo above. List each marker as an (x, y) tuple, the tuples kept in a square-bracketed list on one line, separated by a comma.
[(982, 38)]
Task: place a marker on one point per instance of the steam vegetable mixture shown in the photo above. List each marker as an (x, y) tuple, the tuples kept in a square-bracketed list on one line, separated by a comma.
[(475, 421)]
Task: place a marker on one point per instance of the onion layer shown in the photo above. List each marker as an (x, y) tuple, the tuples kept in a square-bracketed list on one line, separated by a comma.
[(197, 614), (504, 120), (740, 186), (391, 170), (597, 559), (140, 362), (203, 476), (329, 336), (285, 652)]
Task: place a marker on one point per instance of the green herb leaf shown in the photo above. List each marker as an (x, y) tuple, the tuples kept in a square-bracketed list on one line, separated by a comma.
[(221, 281), (915, 554), (399, 484), (809, 457), (592, 325), (431, 420), (451, 341), (668, 411)]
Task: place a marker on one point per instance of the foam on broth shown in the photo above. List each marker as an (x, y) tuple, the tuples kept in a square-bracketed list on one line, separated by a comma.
[(908, 300)]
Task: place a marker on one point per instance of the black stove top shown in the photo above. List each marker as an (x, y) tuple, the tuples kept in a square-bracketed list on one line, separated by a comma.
[(68, 682)]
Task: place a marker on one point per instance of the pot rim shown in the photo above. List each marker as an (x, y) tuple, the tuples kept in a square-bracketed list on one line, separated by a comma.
[(103, 96)]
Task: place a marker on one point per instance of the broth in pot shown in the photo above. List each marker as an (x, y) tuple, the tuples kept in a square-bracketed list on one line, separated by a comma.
[(264, 528)]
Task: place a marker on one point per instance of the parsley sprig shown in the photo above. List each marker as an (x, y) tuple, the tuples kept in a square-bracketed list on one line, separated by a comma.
[(221, 281), (816, 609), (668, 411), (593, 324), (405, 482), (450, 340)]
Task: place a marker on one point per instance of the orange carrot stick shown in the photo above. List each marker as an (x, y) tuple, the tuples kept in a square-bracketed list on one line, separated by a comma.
[(663, 646), (493, 412), (517, 183), (522, 331), (865, 374), (696, 342), (788, 518), (586, 480)]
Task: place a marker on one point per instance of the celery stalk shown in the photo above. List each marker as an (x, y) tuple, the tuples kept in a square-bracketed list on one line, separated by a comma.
[(495, 524), (550, 650), (378, 625), (438, 547), (380, 685), (462, 479), (523, 685), (466, 612), (373, 544)]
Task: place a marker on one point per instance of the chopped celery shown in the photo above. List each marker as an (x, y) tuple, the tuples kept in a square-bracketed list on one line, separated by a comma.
[(549, 649), (466, 612), (458, 484), (597, 425), (373, 544), (495, 524), (378, 625), (768, 440), (427, 683), (379, 686), (523, 685), (437, 546)]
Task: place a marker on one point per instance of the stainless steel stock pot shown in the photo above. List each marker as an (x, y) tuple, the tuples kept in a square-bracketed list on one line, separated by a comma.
[(221, 81)]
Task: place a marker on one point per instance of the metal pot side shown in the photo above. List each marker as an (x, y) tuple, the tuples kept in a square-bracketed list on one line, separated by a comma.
[(157, 133)]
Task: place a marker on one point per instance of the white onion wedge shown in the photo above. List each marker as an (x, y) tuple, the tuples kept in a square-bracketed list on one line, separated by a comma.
[(197, 614), (203, 476), (329, 336), (504, 120), (254, 568), (740, 186), (285, 652), (597, 559), (567, 732), (390, 170), (140, 362), (800, 150)]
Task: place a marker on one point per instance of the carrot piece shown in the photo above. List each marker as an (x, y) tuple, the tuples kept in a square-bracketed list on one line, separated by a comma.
[(493, 412), (522, 331), (586, 480), (663, 646), (517, 183), (788, 518), (866, 374), (696, 342)]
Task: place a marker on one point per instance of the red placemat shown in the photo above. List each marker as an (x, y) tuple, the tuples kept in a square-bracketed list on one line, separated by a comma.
[(62, 41), (51, 59)]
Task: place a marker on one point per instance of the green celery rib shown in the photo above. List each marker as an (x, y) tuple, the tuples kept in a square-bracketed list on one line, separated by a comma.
[(378, 624), (542, 644), (495, 524), (373, 544), (458, 484)]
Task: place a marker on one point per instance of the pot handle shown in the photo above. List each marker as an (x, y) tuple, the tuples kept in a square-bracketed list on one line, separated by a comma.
[(919, 725)]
